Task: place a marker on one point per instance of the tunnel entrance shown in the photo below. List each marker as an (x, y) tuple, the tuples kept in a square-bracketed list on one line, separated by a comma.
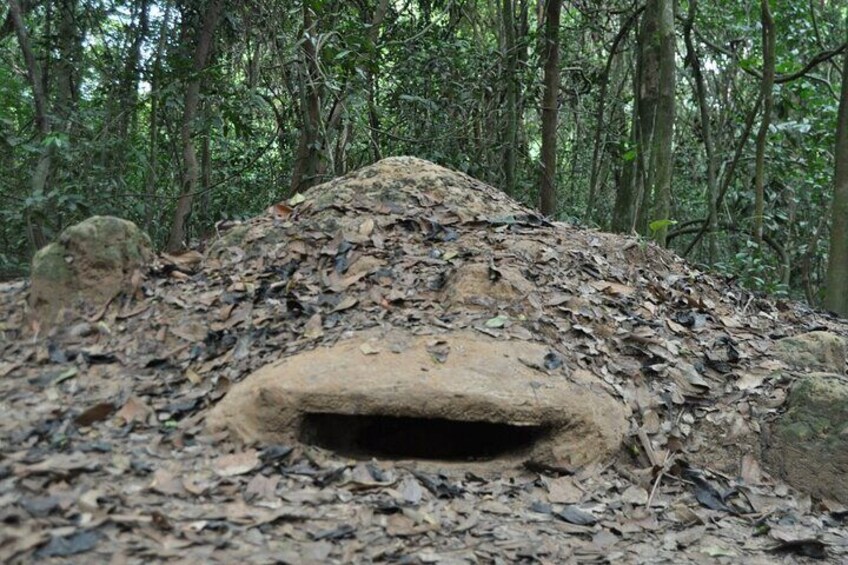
[(392, 437)]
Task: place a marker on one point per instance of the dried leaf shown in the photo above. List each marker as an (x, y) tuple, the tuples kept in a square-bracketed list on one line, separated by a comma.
[(575, 515), (751, 472), (133, 410), (634, 494), (237, 463), (346, 303), (495, 507), (167, 482), (314, 327), (366, 227), (280, 210), (74, 544), (193, 377), (411, 490), (96, 413), (261, 487)]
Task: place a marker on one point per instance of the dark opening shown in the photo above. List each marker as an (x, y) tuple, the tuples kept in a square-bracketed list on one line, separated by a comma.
[(390, 437)]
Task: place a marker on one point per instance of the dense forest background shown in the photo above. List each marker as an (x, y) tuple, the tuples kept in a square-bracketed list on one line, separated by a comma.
[(714, 127)]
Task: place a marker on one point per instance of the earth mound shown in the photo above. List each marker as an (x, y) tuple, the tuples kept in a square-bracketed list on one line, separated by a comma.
[(175, 426)]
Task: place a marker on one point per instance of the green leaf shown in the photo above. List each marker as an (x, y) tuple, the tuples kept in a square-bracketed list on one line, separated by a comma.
[(69, 373), (657, 225)]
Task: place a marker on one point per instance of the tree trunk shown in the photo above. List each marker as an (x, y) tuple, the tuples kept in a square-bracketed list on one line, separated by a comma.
[(655, 127), (548, 195), (836, 289), (648, 167), (191, 169), (205, 171), (68, 63), (706, 127), (128, 88), (305, 171), (624, 210), (373, 69), (598, 160), (34, 222), (153, 127), (511, 92), (766, 86)]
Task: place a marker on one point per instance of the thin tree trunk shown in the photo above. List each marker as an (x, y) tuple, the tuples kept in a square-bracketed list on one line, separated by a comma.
[(343, 140), (205, 172), (38, 186), (706, 127), (373, 68), (153, 127), (653, 126), (128, 93), (523, 159), (191, 170), (805, 263), (511, 91), (548, 192), (836, 287), (624, 210), (767, 85), (305, 171), (597, 145), (67, 64)]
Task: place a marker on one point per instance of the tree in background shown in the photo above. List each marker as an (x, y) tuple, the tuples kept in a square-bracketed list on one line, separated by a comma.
[(836, 287), (654, 125), (767, 84), (291, 94), (550, 101), (191, 101), (55, 92)]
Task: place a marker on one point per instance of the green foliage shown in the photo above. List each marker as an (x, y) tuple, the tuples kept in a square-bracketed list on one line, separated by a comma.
[(658, 225), (754, 271), (429, 80)]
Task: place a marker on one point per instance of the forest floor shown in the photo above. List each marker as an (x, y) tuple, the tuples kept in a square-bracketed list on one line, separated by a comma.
[(105, 455)]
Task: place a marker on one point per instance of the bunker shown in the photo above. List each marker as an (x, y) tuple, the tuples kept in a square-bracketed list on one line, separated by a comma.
[(457, 397)]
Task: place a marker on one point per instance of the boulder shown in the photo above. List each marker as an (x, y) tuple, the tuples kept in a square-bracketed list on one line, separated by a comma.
[(813, 351), (808, 444), (458, 397), (90, 264)]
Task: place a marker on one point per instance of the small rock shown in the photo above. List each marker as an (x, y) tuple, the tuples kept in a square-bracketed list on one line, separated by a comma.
[(813, 351), (90, 264)]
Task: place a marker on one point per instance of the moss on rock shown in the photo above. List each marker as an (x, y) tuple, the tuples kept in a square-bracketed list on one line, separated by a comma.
[(90, 264)]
